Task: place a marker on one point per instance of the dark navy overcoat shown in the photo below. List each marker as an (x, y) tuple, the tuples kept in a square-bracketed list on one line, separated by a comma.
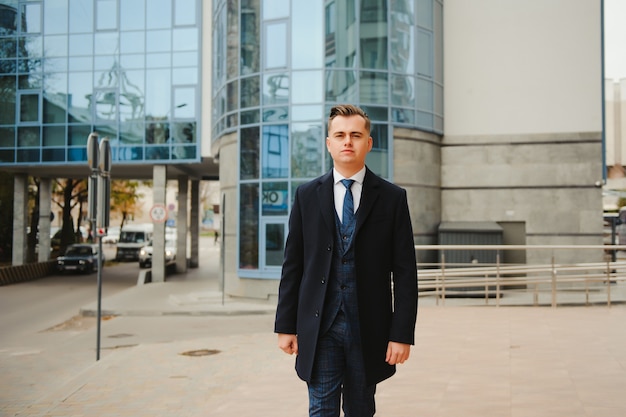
[(385, 262)]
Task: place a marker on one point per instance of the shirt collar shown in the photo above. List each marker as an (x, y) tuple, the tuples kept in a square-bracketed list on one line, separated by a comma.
[(358, 177)]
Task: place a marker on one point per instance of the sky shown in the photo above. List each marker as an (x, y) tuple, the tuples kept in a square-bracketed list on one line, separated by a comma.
[(614, 39)]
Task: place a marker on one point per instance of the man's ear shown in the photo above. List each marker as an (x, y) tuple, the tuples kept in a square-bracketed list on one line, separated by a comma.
[(370, 142)]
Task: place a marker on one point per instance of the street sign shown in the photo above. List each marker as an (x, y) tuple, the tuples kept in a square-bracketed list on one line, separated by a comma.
[(158, 213)]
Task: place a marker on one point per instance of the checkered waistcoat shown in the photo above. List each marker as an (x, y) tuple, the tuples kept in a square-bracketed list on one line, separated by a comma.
[(341, 292)]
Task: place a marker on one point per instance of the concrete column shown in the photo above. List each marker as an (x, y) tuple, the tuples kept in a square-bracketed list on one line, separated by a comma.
[(194, 223), (45, 200), (159, 179), (20, 218), (181, 225)]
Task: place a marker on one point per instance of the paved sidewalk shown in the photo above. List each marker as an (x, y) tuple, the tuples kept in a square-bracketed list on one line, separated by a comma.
[(468, 361)]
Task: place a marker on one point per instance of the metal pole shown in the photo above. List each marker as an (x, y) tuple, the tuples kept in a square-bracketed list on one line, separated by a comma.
[(99, 315)]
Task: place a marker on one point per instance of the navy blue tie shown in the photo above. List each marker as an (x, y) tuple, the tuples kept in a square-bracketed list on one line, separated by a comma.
[(348, 203)]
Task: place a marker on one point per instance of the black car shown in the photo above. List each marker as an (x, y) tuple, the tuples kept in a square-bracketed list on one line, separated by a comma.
[(79, 257)]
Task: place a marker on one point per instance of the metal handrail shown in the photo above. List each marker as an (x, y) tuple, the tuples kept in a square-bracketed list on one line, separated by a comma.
[(513, 278)]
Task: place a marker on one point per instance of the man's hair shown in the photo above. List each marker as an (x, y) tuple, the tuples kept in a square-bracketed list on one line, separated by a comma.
[(348, 110)]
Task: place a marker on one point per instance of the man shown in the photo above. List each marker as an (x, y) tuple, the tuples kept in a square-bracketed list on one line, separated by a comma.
[(347, 300)]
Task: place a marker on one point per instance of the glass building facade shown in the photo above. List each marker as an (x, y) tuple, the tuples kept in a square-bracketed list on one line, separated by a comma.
[(128, 69), (278, 67)]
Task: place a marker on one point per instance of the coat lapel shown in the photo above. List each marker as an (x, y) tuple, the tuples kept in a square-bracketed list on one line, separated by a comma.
[(327, 201), (369, 195)]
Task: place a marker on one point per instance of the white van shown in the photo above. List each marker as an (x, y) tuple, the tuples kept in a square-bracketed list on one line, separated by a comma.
[(132, 239)]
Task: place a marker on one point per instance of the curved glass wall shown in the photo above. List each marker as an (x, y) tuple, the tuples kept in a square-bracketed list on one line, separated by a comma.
[(278, 68), (128, 69)]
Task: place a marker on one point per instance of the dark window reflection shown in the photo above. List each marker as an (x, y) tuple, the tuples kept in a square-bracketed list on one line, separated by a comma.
[(249, 158), (275, 198), (250, 92), (249, 226), (274, 244), (250, 40)]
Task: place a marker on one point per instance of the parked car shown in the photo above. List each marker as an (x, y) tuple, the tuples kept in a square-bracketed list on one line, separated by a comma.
[(145, 254), (79, 258)]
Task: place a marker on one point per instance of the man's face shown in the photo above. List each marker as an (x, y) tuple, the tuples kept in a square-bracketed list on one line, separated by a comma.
[(348, 143)]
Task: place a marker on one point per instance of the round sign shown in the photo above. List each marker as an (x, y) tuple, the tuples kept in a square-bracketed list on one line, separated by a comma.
[(158, 213)]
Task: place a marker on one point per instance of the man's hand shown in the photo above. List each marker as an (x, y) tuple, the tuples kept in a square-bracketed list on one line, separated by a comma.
[(397, 353), (288, 343)]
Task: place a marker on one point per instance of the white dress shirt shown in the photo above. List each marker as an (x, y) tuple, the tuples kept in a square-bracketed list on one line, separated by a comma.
[(340, 190)]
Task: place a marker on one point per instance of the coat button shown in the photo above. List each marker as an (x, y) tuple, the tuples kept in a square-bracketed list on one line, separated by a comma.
[(317, 313), (323, 280), (329, 248)]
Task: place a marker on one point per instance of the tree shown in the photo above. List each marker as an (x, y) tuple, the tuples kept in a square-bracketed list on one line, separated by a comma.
[(67, 194), (125, 198)]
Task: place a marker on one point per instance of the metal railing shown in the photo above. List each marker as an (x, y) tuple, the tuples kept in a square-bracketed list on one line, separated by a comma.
[(524, 284)]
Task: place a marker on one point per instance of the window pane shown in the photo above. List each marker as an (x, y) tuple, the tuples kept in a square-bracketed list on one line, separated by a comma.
[(158, 93), (54, 102), (53, 155), (276, 114), (81, 45), (28, 136), (131, 132), (7, 137), (157, 133), (374, 87), (402, 36), (77, 135), (106, 15), (425, 13), (250, 92), (185, 39), (132, 42), (106, 105), (185, 12), (307, 35), (184, 102), (28, 155), (402, 91), (55, 16), (184, 76), (106, 43), (275, 151), (159, 40), (275, 198), (31, 20), (306, 150), (184, 133), (250, 36), (159, 14), (373, 32), (274, 243), (307, 87), (276, 45), (29, 108), (275, 9), (341, 86), (55, 45), (249, 158), (424, 95), (81, 17), (132, 15), (7, 106), (424, 53), (378, 158), (249, 226), (311, 112), (80, 95), (275, 89), (54, 136)]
